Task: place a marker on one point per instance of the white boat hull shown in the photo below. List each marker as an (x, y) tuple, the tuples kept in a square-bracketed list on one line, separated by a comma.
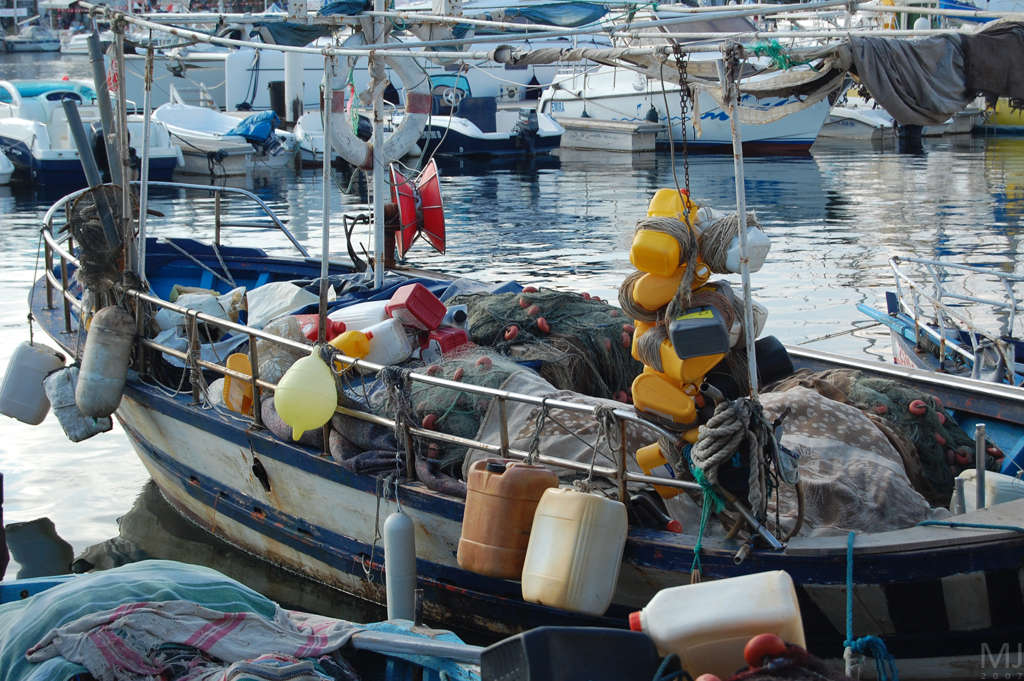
[(622, 95), (15, 45)]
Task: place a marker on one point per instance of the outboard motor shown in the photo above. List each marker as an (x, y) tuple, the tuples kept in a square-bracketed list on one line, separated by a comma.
[(99, 149), (526, 130)]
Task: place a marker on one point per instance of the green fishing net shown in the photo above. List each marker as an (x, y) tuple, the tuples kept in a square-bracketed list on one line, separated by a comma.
[(574, 341)]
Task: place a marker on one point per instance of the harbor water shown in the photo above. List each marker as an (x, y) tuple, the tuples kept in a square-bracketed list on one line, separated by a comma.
[(834, 216)]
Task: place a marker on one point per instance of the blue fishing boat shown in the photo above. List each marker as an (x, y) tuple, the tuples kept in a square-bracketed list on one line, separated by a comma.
[(296, 452)]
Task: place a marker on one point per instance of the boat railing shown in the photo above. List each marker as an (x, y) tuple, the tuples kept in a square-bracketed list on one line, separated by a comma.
[(61, 247), (939, 294), (267, 218)]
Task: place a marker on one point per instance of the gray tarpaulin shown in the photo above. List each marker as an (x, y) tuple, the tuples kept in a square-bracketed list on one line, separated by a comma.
[(919, 82), (993, 59)]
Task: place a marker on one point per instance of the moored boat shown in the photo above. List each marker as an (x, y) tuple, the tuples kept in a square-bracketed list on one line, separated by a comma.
[(35, 135)]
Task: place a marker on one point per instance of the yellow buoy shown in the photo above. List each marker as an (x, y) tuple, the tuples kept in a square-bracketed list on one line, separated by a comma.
[(306, 396)]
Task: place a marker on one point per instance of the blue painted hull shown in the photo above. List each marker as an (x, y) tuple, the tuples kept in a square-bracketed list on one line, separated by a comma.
[(67, 174), (909, 582)]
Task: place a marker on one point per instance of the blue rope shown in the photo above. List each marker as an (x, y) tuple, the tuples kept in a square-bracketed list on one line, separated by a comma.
[(885, 664), (979, 526)]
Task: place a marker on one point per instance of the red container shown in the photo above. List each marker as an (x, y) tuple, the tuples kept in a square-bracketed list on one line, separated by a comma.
[(310, 325), (442, 341), (414, 305)]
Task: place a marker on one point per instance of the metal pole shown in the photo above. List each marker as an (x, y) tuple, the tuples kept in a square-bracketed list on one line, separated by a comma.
[(325, 230), (379, 187), (144, 176), (729, 78), (979, 465), (123, 157), (99, 81)]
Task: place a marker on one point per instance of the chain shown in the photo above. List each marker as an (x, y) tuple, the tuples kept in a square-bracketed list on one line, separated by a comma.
[(684, 96)]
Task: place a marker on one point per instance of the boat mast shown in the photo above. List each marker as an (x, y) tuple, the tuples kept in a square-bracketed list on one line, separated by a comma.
[(376, 69)]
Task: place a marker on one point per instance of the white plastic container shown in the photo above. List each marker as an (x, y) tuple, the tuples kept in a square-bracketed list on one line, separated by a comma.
[(575, 550), (758, 245), (22, 396), (389, 343), (361, 316), (708, 624), (999, 488)]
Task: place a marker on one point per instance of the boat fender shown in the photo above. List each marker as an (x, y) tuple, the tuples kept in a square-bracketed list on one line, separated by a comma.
[(60, 389), (22, 396), (105, 362), (418, 103), (400, 566)]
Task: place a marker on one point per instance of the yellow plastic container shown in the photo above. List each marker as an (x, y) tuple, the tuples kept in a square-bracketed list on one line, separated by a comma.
[(237, 392), (689, 370), (652, 291), (654, 252), (575, 551), (656, 394), (708, 624), (639, 328), (669, 203), (653, 462), (352, 343)]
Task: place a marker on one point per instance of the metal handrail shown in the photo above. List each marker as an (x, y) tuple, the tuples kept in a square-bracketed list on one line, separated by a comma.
[(935, 299), (194, 317), (216, 190)]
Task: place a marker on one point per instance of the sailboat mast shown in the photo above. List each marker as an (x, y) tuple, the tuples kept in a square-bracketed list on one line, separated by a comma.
[(379, 183)]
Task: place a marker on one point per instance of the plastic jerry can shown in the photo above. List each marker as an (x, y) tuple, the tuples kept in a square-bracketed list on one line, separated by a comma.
[(708, 624), (442, 341), (361, 315), (22, 396), (414, 305), (653, 462), (575, 551), (655, 393), (670, 203), (389, 343), (652, 291), (500, 504), (654, 252), (640, 327), (310, 325)]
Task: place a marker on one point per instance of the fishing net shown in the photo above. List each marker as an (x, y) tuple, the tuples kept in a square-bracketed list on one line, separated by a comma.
[(932, 445), (99, 251), (448, 410), (574, 341)]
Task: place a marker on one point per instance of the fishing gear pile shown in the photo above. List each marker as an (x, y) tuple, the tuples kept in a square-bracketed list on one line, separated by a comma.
[(575, 341)]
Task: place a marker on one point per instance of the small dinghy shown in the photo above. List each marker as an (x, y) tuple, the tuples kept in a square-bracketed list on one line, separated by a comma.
[(216, 143)]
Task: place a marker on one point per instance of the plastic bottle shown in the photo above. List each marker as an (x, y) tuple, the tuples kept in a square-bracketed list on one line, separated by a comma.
[(352, 343), (310, 325), (575, 551), (708, 624), (500, 503), (22, 395), (389, 343), (361, 315)]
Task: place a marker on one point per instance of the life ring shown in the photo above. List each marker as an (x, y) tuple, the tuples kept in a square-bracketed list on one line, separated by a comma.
[(400, 142)]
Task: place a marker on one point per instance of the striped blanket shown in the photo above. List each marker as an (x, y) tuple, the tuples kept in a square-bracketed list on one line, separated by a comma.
[(168, 620)]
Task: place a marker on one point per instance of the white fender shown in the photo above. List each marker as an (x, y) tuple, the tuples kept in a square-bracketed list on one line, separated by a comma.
[(403, 139)]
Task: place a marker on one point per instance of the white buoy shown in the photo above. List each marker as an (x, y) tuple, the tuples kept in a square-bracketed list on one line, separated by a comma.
[(400, 566), (105, 362), (22, 395)]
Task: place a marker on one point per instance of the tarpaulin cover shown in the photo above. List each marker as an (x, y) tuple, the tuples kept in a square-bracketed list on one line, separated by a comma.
[(992, 68), (919, 82), (288, 33), (258, 127), (565, 14)]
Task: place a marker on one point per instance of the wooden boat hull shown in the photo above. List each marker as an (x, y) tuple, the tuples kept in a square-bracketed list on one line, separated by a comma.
[(922, 589)]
